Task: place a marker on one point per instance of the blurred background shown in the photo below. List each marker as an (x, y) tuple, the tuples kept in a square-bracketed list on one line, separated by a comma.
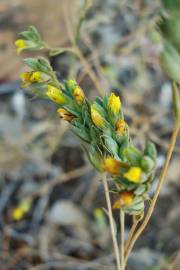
[(50, 197)]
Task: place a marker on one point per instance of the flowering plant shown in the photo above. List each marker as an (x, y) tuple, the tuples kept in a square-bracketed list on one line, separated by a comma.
[(104, 132)]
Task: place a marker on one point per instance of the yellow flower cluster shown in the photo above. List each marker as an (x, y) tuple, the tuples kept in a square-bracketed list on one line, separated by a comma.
[(31, 77), (100, 126)]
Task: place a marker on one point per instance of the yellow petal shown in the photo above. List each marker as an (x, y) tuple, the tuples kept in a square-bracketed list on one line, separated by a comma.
[(78, 94), (125, 199), (114, 103), (18, 214), (97, 118), (65, 115), (20, 44), (111, 165), (120, 127), (134, 174), (35, 76), (25, 76), (56, 95)]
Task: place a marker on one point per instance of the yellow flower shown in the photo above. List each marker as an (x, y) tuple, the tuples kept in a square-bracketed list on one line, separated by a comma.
[(133, 174), (23, 207), (120, 127), (18, 214), (35, 76), (30, 77), (125, 199), (78, 94), (65, 115), (114, 103), (97, 118), (21, 45), (55, 95), (111, 165)]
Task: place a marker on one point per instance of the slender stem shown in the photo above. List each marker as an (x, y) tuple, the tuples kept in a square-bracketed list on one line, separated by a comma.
[(111, 221), (122, 222), (160, 183), (130, 236)]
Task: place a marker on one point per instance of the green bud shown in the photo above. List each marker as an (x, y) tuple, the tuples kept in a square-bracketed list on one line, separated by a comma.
[(71, 84), (111, 145), (150, 150), (170, 60), (32, 34), (147, 164), (133, 155), (39, 64)]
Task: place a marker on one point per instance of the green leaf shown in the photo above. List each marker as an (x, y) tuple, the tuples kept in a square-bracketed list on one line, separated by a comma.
[(82, 133), (31, 34), (147, 164), (94, 157), (150, 150), (111, 145), (32, 63), (140, 190), (133, 155)]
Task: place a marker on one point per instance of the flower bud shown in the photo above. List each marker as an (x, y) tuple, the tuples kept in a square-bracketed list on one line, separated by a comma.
[(114, 103), (133, 174), (97, 118), (133, 155), (147, 163), (120, 127), (21, 44), (65, 115), (78, 94), (71, 84), (125, 198), (111, 165), (56, 95), (31, 77)]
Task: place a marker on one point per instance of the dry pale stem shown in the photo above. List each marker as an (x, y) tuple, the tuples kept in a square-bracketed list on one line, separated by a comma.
[(160, 183), (111, 221), (131, 233), (122, 222)]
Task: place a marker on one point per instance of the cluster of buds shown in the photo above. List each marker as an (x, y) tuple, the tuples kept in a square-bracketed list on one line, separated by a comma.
[(104, 134), (100, 125)]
